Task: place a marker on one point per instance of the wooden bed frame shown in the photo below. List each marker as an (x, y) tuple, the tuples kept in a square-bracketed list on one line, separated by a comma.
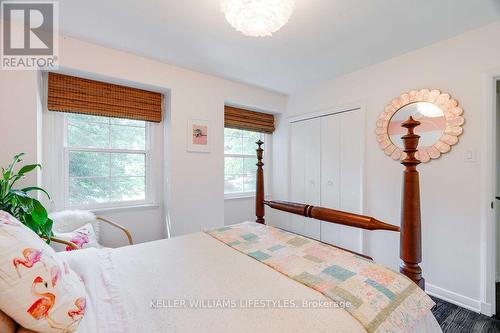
[(410, 250)]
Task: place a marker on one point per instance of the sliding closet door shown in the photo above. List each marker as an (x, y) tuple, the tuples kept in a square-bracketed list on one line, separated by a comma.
[(305, 173), (326, 155), (341, 174)]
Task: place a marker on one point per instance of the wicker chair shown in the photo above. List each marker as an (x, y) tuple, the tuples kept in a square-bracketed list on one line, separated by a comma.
[(70, 220)]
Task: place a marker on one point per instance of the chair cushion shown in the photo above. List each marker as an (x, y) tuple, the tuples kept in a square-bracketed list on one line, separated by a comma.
[(82, 237), (37, 289), (70, 220)]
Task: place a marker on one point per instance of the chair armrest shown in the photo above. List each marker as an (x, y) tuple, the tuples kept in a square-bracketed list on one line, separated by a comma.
[(72, 245), (116, 225)]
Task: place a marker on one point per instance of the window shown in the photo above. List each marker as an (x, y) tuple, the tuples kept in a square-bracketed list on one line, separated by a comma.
[(106, 161), (240, 161), (102, 144)]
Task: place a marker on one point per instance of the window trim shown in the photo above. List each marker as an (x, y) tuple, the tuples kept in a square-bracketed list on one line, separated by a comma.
[(245, 195)]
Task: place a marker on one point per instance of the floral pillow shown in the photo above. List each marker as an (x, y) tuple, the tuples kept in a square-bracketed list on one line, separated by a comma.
[(82, 237), (37, 289)]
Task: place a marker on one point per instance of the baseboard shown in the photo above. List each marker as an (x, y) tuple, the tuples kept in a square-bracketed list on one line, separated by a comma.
[(454, 298), (487, 309)]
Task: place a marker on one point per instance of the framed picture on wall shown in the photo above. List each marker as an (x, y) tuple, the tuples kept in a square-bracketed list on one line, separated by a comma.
[(199, 136)]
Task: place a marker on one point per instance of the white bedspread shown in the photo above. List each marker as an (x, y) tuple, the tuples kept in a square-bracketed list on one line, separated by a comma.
[(124, 285)]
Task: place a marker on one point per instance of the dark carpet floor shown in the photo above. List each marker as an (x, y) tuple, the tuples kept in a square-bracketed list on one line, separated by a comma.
[(454, 319)]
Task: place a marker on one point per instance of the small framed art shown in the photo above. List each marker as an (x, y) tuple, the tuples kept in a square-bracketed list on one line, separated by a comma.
[(199, 136)]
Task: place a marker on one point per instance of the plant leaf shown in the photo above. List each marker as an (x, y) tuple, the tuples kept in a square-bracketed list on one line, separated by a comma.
[(28, 168), (35, 188), (30, 223), (39, 213), (21, 173), (20, 193), (16, 160), (25, 203), (47, 229)]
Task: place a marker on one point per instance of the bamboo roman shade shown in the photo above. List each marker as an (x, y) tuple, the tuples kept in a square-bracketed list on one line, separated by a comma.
[(248, 120), (77, 95)]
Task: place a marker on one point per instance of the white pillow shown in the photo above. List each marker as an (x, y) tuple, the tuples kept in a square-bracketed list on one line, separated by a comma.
[(82, 237), (37, 289)]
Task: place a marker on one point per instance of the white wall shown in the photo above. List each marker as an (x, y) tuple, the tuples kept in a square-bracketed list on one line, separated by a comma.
[(19, 127), (195, 181), (238, 210), (450, 187)]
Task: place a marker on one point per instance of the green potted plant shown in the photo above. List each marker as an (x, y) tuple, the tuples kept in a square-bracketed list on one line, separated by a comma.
[(20, 204)]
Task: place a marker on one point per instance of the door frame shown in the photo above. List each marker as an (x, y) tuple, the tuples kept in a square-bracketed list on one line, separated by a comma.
[(361, 106), (489, 181)]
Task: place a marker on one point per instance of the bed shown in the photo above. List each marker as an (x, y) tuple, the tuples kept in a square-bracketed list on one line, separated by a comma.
[(120, 294), (212, 283)]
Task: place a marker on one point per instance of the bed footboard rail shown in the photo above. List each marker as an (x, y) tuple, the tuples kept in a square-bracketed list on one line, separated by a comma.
[(331, 215)]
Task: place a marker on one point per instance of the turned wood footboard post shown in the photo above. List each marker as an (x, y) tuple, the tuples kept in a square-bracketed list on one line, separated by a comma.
[(411, 242), (259, 195)]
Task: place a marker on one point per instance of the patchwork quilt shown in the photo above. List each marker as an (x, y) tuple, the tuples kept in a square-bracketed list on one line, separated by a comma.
[(381, 299)]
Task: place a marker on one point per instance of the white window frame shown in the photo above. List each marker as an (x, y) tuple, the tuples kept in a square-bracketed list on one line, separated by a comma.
[(267, 138), (56, 163)]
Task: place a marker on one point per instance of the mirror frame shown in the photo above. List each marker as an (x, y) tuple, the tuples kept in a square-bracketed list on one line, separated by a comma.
[(452, 113)]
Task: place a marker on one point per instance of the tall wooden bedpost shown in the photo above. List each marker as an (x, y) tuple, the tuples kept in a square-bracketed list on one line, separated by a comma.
[(259, 195), (411, 240)]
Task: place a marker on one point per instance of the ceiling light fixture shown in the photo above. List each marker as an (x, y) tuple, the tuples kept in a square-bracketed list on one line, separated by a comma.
[(257, 18), (429, 110)]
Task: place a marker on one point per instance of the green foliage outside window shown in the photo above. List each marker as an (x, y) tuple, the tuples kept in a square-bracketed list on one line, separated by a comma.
[(240, 160), (107, 160)]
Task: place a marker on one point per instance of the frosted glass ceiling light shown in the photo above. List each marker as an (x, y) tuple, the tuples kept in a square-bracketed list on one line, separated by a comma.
[(257, 18)]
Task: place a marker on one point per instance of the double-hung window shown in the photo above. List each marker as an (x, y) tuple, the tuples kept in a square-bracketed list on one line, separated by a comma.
[(106, 161), (240, 162)]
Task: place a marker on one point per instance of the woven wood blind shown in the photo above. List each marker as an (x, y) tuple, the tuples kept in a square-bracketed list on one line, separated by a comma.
[(77, 95), (248, 120)]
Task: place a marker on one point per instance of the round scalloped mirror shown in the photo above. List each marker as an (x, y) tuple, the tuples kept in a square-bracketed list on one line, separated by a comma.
[(441, 123)]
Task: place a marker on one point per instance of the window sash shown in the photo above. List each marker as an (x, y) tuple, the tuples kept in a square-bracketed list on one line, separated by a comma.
[(106, 150), (243, 194), (108, 123), (104, 177), (110, 126), (241, 155), (149, 197)]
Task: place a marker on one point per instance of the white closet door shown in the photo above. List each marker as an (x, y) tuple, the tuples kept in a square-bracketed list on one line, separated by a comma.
[(330, 170), (341, 173), (305, 173)]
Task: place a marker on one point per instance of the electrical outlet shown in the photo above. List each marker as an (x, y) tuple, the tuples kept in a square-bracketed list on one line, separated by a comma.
[(470, 155)]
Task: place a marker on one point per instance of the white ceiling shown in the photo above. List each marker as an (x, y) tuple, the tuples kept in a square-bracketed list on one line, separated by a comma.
[(324, 38)]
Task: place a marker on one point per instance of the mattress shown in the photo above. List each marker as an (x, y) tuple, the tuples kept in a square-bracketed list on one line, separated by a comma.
[(195, 283)]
